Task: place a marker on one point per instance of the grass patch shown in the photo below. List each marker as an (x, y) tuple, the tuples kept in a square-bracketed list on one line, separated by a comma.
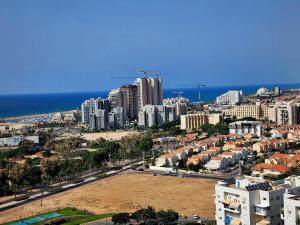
[(72, 216)]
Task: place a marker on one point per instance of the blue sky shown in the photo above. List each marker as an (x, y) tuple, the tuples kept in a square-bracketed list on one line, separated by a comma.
[(66, 46)]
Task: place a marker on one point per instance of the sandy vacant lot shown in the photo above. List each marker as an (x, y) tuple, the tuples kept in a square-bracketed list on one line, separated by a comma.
[(108, 135), (129, 192)]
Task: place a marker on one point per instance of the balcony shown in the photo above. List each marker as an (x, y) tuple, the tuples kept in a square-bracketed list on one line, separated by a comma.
[(262, 209), (263, 222), (232, 206)]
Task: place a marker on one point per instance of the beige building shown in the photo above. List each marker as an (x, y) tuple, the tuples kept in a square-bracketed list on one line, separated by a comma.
[(284, 113), (193, 121), (256, 111), (196, 120)]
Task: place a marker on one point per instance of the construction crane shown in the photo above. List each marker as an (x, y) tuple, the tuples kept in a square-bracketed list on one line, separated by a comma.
[(199, 86)]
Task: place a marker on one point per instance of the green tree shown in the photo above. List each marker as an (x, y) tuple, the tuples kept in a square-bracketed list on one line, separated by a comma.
[(121, 218), (144, 215), (167, 217)]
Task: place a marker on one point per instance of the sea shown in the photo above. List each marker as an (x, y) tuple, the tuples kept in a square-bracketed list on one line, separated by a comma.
[(30, 104)]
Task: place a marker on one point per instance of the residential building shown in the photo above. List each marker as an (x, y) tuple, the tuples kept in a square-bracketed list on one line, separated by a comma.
[(193, 121), (230, 98), (91, 106), (150, 91), (115, 98), (98, 120), (257, 111), (246, 127), (150, 115), (284, 113), (217, 163), (180, 104), (16, 140), (250, 201), (129, 101), (116, 118), (291, 210)]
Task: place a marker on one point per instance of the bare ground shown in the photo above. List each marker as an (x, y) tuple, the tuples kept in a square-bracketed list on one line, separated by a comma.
[(129, 192)]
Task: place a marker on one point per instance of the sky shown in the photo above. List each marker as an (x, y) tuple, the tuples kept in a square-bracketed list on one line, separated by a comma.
[(83, 45)]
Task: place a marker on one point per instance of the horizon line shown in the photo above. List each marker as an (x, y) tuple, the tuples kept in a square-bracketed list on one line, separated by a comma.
[(169, 88)]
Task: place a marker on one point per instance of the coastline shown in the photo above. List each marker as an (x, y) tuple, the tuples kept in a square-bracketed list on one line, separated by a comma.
[(33, 116)]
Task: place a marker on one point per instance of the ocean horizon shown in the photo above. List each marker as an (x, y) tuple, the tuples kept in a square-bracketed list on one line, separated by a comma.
[(29, 104)]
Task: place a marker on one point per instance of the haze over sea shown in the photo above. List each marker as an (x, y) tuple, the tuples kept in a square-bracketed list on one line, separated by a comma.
[(28, 104)]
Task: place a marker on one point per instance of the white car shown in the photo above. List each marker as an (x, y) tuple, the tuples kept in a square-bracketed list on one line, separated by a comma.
[(196, 216)]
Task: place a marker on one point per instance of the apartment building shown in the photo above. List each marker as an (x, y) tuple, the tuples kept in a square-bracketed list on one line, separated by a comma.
[(150, 115), (150, 91), (256, 111), (90, 108), (230, 98), (284, 113), (129, 101), (246, 127), (180, 105), (291, 209), (249, 201), (196, 120)]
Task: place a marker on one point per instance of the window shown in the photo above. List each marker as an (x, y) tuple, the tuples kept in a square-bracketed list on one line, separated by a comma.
[(277, 198)]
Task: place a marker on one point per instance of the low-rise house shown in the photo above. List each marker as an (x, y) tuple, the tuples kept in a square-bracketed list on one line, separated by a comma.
[(267, 169), (230, 156), (230, 145), (217, 163), (195, 159), (262, 146), (279, 158)]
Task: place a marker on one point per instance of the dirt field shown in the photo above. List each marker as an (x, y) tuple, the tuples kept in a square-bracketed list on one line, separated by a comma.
[(129, 192), (108, 135)]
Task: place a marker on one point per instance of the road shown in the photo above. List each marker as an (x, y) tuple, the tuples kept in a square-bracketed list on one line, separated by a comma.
[(86, 179)]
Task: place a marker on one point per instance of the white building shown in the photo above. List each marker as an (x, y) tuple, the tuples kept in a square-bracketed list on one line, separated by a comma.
[(230, 98), (180, 104), (217, 163), (150, 115), (115, 98), (94, 112), (16, 140), (249, 201), (246, 127), (291, 210), (116, 118)]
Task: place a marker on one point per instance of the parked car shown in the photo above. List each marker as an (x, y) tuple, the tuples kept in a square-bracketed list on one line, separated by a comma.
[(196, 216)]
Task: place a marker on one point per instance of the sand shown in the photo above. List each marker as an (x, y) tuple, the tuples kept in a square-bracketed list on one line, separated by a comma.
[(108, 135), (129, 192)]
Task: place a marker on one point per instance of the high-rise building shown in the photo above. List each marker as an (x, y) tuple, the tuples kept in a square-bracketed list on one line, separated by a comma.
[(230, 98), (116, 118), (98, 120), (95, 113), (180, 104), (129, 101), (150, 115), (150, 91), (115, 98)]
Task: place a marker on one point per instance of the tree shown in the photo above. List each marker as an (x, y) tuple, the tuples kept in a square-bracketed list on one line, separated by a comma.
[(144, 215), (167, 217), (99, 158), (121, 218)]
